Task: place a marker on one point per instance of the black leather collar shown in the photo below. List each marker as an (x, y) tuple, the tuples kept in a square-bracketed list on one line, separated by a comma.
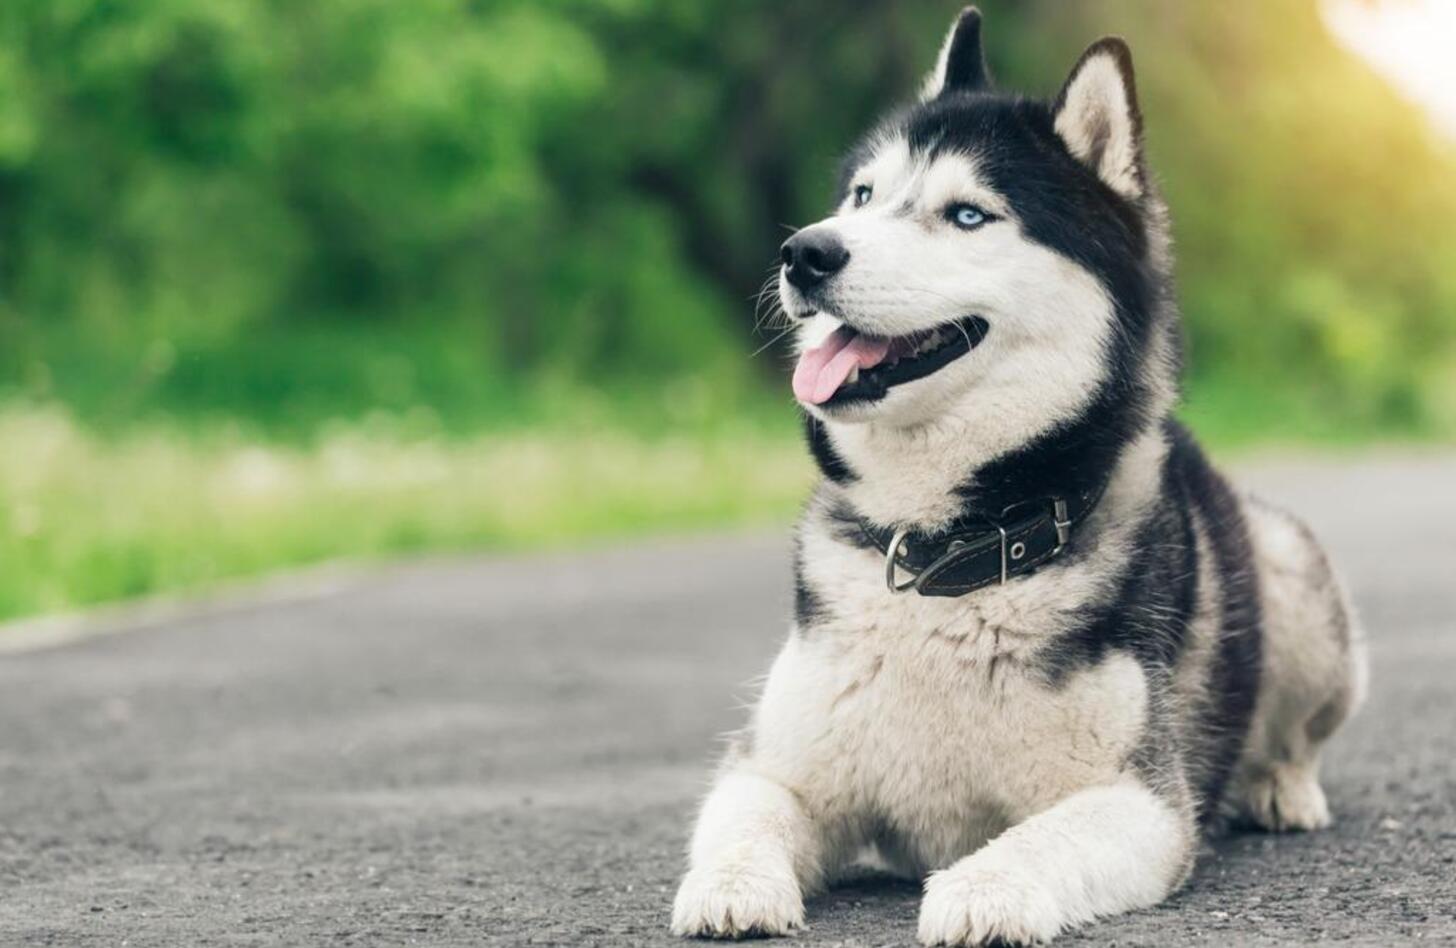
[(977, 551)]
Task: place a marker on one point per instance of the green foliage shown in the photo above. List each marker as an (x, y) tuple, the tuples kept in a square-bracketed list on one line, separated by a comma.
[(189, 179), (1315, 217), (288, 212), (252, 229)]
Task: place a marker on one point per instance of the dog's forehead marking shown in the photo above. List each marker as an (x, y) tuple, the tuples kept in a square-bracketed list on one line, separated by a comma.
[(956, 176), (890, 167), (928, 178)]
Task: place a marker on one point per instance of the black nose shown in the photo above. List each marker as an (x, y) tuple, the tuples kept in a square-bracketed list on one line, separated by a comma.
[(810, 257)]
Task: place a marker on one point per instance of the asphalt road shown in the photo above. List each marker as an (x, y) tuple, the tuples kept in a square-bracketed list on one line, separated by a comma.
[(508, 752)]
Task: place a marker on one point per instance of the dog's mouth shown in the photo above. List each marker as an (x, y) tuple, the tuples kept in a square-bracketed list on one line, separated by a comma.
[(852, 366)]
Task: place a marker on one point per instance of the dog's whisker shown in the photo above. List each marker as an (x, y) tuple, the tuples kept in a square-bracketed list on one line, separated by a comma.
[(771, 342), (766, 293)]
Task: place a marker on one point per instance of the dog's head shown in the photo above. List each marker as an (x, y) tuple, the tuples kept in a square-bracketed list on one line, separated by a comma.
[(988, 253)]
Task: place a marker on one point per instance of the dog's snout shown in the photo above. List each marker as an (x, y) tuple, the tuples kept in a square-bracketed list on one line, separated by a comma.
[(810, 257)]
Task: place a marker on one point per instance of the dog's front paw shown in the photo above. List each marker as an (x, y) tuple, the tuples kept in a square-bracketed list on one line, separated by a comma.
[(737, 899), (966, 905)]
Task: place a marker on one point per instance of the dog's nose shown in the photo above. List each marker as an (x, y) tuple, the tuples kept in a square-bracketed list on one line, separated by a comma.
[(810, 257)]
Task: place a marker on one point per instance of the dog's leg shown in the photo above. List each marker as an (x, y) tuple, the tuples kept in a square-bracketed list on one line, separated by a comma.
[(1098, 852), (1313, 675), (754, 853)]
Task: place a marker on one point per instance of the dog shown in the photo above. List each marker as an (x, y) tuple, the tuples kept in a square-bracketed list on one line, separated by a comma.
[(1040, 645)]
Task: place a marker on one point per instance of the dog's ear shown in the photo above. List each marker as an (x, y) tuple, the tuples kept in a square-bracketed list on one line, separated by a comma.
[(1097, 116), (961, 65)]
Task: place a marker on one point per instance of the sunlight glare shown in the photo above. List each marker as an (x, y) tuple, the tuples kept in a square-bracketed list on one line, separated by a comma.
[(1410, 43)]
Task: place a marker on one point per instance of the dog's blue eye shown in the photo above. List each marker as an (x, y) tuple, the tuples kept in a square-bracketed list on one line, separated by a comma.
[(966, 216), (862, 195)]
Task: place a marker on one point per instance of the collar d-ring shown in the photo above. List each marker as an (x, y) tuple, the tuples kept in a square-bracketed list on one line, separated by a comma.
[(890, 554)]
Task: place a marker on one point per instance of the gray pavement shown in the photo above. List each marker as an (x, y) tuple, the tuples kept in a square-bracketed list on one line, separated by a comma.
[(508, 752)]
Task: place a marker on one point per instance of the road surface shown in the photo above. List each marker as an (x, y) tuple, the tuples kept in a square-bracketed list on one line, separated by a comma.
[(505, 752)]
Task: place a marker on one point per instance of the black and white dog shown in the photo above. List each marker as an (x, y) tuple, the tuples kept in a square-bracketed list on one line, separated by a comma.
[(1040, 643)]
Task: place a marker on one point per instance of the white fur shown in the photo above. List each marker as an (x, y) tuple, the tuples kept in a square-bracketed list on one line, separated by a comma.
[(914, 725), (935, 79), (752, 854), (910, 270), (1099, 851), (917, 726), (1096, 122), (924, 728), (1314, 675)]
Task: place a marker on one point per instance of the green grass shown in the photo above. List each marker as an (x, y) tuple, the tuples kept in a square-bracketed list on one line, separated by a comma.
[(132, 468), (86, 519), (184, 503)]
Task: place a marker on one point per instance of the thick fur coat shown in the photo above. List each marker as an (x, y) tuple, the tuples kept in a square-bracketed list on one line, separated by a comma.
[(1046, 750)]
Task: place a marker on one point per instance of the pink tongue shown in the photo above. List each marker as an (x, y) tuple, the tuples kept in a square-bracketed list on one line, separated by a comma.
[(822, 369)]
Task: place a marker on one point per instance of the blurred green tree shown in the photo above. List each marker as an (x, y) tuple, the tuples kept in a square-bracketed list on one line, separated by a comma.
[(288, 212)]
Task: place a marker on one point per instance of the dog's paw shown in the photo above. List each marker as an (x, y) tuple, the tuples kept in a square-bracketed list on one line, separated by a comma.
[(737, 900), (1288, 799), (966, 905)]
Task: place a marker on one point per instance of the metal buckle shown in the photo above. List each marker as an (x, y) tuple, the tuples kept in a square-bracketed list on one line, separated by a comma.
[(1061, 522), (952, 550), (1002, 530)]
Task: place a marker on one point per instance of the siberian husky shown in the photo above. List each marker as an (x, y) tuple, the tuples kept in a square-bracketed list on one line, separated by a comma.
[(1040, 644)]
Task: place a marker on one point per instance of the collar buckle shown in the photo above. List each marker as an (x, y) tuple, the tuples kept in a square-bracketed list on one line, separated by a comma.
[(1062, 522), (968, 559), (952, 551)]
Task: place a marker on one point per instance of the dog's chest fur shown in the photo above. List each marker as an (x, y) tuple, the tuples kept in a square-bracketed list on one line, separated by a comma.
[(934, 716)]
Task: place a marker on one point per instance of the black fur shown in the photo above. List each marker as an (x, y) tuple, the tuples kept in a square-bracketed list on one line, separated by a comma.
[(1233, 677), (1065, 207), (1116, 49), (846, 525), (1150, 615), (1063, 204), (965, 63), (831, 465), (808, 605)]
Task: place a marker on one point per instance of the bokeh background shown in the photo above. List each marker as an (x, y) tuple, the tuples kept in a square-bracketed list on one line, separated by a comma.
[(282, 282)]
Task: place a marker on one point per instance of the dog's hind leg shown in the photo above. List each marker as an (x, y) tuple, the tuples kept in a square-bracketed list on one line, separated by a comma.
[(1313, 676), (754, 854)]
